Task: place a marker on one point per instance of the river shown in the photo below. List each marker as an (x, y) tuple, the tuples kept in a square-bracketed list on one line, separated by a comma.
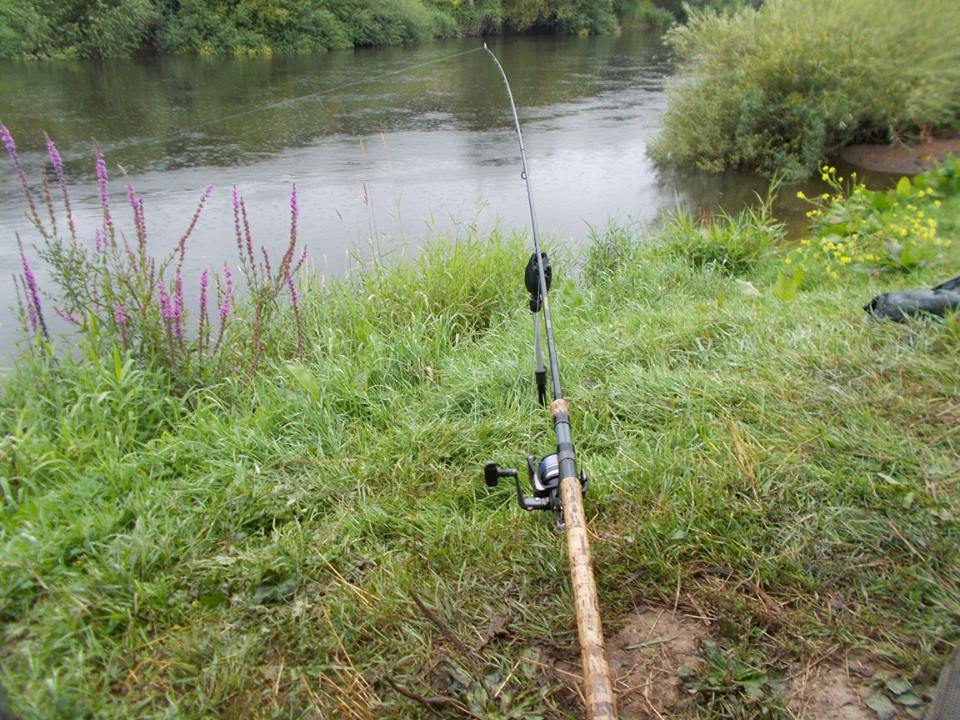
[(386, 147)]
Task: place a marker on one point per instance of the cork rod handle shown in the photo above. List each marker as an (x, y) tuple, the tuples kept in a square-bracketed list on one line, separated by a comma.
[(597, 686)]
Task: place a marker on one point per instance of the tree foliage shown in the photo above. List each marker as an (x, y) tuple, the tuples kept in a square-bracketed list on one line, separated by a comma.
[(114, 28)]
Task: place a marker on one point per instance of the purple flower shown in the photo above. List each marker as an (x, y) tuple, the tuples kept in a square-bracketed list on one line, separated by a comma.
[(227, 304), (178, 308), (204, 283), (55, 159), (34, 309), (235, 200), (137, 205), (294, 297), (11, 148), (99, 241), (121, 319), (62, 181), (268, 271), (102, 181), (166, 307), (203, 320), (295, 300), (294, 215), (70, 318), (8, 142), (284, 268)]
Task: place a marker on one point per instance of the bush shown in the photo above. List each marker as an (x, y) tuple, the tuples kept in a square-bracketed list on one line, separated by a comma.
[(779, 88)]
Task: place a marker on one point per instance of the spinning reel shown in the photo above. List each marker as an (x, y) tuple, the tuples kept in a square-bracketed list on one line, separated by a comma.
[(544, 482)]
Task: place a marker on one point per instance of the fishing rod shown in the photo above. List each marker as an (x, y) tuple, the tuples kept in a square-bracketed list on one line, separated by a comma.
[(556, 483)]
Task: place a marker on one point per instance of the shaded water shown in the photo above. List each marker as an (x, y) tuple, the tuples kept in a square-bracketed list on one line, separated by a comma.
[(379, 163)]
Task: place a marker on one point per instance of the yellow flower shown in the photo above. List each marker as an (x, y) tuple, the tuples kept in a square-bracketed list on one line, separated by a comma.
[(936, 203), (800, 195)]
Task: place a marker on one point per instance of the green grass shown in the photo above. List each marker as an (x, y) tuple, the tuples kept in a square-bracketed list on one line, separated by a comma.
[(250, 549), (780, 88)]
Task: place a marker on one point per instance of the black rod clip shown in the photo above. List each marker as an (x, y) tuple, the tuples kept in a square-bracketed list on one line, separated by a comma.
[(531, 278)]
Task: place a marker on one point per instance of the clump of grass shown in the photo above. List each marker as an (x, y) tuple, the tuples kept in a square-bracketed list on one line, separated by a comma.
[(779, 88), (734, 244), (250, 548)]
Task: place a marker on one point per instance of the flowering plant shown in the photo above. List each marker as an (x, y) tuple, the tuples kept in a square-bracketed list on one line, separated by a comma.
[(118, 294), (871, 230)]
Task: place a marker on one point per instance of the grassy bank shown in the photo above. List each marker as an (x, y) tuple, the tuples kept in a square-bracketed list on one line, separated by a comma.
[(247, 547), (779, 88)]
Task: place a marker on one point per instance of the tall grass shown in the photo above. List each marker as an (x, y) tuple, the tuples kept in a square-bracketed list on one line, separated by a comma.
[(779, 88), (249, 549)]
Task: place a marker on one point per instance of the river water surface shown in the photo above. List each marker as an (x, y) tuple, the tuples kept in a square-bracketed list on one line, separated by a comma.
[(379, 162)]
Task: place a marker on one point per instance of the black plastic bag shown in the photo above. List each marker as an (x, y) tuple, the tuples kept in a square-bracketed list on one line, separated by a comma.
[(899, 306)]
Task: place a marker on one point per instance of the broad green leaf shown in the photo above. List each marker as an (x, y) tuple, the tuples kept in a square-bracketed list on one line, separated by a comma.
[(786, 286), (904, 187)]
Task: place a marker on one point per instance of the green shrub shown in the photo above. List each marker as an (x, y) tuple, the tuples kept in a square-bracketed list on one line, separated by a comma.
[(779, 88)]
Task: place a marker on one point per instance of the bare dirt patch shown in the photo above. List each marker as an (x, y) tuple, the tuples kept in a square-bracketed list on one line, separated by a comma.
[(901, 159), (644, 659), (829, 692)]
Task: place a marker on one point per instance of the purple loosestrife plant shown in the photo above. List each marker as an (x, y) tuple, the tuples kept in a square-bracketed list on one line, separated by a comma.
[(121, 319), (48, 200), (11, 147), (34, 308), (122, 296), (136, 204), (182, 243), (284, 268), (57, 163), (225, 297), (103, 186), (203, 324)]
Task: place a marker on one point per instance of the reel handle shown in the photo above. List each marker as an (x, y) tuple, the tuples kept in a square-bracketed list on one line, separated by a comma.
[(492, 473)]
